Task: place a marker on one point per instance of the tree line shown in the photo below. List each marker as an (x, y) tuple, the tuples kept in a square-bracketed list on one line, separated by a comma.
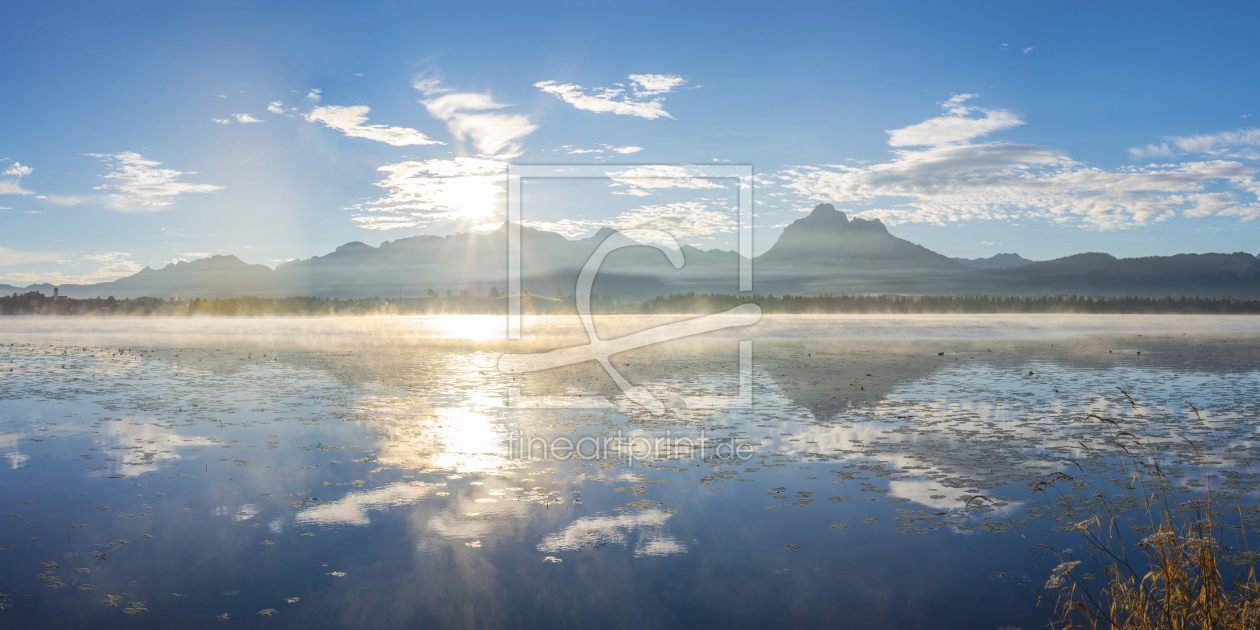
[(465, 302), (946, 304), (462, 303)]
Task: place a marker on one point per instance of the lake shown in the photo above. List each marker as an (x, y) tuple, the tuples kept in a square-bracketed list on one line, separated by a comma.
[(807, 471)]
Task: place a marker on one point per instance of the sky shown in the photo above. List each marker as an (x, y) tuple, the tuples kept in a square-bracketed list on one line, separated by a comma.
[(137, 133)]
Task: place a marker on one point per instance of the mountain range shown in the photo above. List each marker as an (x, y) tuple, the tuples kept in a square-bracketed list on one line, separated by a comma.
[(996, 261), (824, 252)]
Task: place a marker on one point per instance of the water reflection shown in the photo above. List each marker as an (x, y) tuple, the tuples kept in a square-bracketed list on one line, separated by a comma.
[(642, 531), (275, 461)]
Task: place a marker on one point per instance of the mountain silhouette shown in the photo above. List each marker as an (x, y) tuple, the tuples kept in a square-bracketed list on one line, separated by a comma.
[(996, 261), (826, 252), (823, 252)]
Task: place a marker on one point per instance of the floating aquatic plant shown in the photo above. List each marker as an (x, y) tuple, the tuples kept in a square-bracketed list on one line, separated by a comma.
[(1165, 563)]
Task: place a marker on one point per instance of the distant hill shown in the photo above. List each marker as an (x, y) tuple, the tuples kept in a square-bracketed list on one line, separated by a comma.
[(996, 261), (823, 252), (827, 252)]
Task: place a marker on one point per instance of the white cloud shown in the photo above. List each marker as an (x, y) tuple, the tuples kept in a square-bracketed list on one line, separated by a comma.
[(277, 107), (686, 221), (107, 257), (473, 117), (1231, 144), (957, 126), (681, 219), (14, 186), (107, 266), (352, 121), (187, 256), (641, 181), (568, 228), (604, 149), (18, 170), (15, 257), (245, 118), (423, 192), (61, 200), (141, 187), (1028, 50), (429, 82), (616, 100), (355, 508), (221, 121), (589, 532), (951, 181), (652, 84)]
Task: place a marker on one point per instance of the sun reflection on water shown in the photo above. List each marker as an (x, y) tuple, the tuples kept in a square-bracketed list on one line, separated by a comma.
[(468, 327)]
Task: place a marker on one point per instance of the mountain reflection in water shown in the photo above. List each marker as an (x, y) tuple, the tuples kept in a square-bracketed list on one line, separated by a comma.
[(366, 470)]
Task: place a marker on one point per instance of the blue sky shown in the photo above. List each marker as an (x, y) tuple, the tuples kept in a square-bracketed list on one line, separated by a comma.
[(138, 133)]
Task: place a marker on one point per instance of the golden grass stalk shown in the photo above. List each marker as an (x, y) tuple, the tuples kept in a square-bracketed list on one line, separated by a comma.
[(1180, 575)]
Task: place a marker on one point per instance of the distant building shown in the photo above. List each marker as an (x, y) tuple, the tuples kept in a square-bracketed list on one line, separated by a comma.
[(57, 294)]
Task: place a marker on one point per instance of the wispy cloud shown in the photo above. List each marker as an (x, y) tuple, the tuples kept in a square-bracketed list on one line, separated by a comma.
[(62, 200), (959, 125), (652, 84), (1242, 143), (137, 185), (14, 173), (681, 219), (603, 149), (688, 221), (642, 181), (352, 121), (420, 193), (102, 267), (15, 257), (188, 256), (620, 100), (107, 257), (12, 187), (240, 118), (474, 117), (952, 180)]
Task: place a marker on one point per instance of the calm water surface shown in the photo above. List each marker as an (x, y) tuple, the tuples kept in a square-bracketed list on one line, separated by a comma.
[(288, 472)]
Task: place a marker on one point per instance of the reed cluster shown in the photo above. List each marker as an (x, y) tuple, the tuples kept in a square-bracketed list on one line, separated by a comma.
[(1161, 561)]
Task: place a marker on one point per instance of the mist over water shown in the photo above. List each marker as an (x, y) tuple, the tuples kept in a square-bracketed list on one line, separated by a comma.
[(490, 328), (371, 471)]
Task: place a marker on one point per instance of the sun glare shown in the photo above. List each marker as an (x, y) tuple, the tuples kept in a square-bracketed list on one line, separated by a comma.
[(470, 327)]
